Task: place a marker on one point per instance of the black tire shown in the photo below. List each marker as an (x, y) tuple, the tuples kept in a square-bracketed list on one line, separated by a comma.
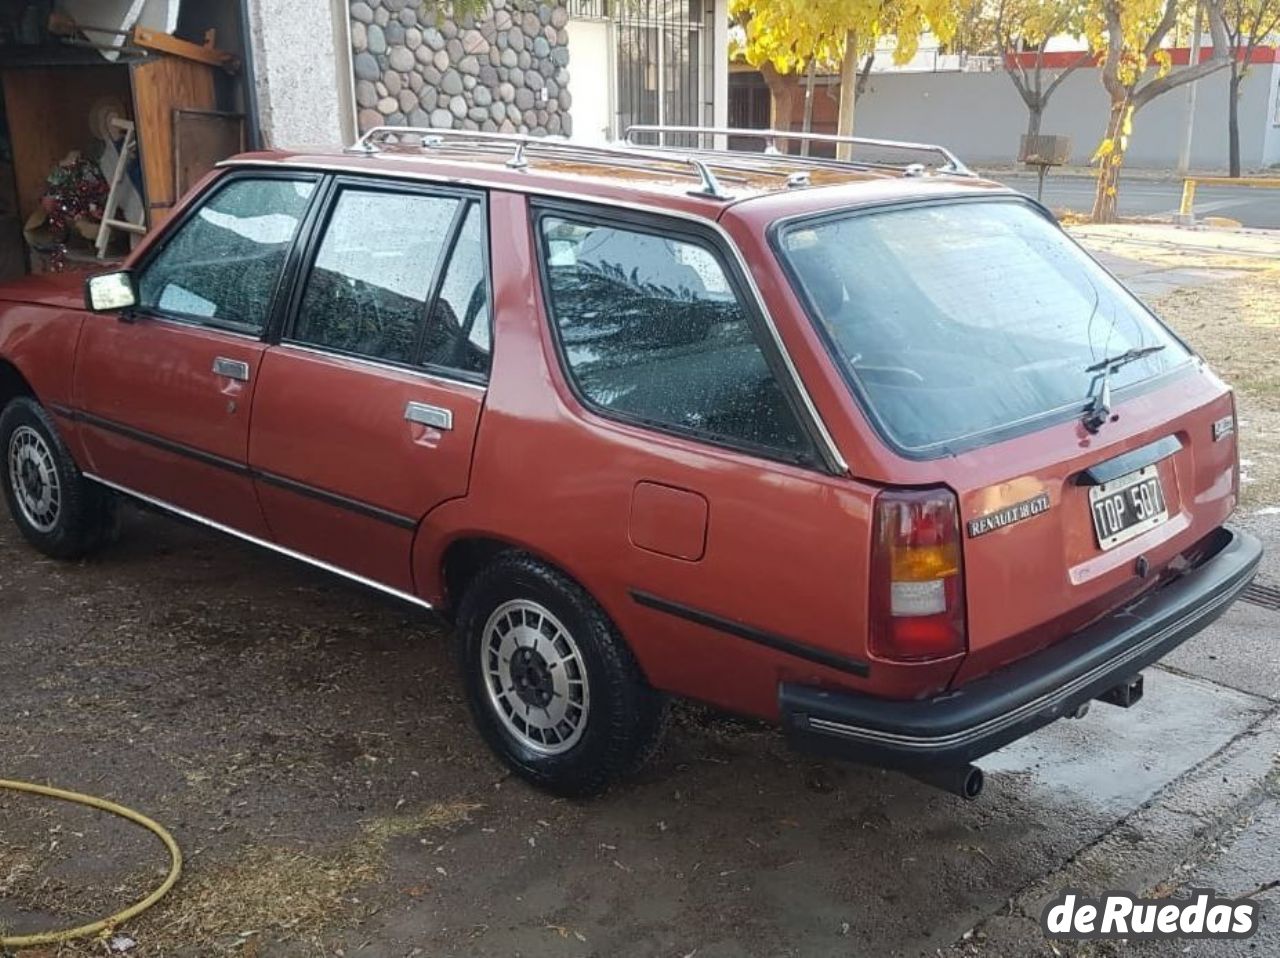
[(84, 515), (624, 719)]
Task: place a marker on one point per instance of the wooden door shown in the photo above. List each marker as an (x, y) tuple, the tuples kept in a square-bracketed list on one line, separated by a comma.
[(160, 86)]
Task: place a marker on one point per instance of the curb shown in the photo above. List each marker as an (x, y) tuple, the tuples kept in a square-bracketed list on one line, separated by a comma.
[(1145, 849)]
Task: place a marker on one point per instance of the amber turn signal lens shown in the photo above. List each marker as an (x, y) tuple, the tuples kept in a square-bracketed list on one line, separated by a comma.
[(917, 576)]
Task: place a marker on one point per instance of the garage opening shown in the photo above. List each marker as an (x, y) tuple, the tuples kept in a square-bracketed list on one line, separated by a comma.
[(111, 111)]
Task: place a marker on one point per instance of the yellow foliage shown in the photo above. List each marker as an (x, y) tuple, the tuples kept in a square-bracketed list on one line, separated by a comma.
[(1034, 21), (788, 33)]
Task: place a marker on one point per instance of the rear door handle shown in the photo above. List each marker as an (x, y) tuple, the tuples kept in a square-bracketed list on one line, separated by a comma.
[(231, 368), (437, 417)]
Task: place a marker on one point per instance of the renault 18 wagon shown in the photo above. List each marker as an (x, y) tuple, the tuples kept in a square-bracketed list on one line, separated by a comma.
[(870, 449)]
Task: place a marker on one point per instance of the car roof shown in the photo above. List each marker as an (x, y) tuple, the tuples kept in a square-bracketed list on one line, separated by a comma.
[(772, 186)]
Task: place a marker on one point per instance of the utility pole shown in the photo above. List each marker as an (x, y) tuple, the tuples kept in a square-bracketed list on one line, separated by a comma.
[(1184, 157)]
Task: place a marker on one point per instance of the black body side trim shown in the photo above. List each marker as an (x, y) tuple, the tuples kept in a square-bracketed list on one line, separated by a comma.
[(751, 634), (333, 499), (1128, 462), (168, 445), (965, 723), (240, 469)]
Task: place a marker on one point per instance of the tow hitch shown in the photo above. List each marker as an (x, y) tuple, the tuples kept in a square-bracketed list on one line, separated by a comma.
[(1125, 694)]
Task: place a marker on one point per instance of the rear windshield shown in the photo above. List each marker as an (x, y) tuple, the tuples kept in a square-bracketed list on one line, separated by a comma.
[(955, 322)]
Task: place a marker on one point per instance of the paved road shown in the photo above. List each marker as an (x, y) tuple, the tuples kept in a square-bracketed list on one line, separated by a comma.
[(1252, 206)]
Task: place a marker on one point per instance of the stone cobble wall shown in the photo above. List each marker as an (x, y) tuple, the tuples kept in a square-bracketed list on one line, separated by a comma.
[(507, 71)]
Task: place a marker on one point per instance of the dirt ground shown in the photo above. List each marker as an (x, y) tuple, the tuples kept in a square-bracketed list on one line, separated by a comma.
[(1235, 325), (308, 745)]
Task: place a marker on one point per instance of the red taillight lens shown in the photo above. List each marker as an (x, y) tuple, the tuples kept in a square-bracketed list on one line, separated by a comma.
[(917, 577)]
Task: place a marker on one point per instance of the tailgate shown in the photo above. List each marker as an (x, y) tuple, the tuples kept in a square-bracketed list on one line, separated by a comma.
[(1061, 526)]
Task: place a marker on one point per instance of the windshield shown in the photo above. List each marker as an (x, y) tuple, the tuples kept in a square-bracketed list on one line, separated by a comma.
[(957, 320)]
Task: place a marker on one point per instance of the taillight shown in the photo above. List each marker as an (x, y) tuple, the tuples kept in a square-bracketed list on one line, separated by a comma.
[(917, 577)]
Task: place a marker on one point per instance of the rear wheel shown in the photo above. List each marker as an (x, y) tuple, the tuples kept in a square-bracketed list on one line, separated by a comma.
[(552, 685), (55, 508)]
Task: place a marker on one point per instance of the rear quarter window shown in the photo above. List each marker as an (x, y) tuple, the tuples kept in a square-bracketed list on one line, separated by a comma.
[(652, 330)]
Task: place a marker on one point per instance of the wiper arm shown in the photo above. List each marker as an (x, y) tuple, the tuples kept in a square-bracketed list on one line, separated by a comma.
[(1099, 410), (1112, 363)]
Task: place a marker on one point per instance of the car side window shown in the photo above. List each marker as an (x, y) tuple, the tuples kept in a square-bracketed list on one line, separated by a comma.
[(222, 264), (367, 292), (458, 335), (652, 330)]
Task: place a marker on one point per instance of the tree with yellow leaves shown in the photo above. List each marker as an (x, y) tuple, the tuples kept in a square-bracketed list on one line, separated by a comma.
[(1022, 31), (785, 36), (1129, 36)]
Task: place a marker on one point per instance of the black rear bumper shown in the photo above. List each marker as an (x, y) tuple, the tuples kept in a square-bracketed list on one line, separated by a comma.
[(979, 717)]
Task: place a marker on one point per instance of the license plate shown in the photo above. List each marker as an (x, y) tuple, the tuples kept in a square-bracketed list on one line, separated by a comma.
[(1127, 507)]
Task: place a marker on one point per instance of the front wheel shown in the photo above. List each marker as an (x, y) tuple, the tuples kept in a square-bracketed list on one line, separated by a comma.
[(552, 685), (55, 508)]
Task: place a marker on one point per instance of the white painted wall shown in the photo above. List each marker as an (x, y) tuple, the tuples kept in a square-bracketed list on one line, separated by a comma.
[(591, 79), (980, 117), (720, 67)]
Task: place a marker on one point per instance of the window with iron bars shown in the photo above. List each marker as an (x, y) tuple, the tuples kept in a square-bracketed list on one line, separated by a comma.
[(662, 63)]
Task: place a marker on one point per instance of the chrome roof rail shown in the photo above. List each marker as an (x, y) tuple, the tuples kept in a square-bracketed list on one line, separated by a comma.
[(521, 144), (950, 162)]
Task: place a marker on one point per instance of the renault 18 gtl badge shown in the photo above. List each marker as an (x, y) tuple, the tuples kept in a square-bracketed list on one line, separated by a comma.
[(1008, 515)]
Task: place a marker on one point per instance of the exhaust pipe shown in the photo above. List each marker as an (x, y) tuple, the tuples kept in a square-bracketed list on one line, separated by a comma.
[(963, 780)]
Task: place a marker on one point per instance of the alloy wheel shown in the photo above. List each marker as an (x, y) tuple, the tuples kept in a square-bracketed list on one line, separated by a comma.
[(33, 477), (536, 677)]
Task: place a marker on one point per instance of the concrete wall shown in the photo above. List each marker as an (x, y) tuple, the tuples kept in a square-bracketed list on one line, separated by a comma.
[(980, 117), (302, 71)]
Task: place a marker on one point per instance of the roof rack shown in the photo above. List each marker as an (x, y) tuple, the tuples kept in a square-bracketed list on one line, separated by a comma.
[(519, 144), (950, 162)]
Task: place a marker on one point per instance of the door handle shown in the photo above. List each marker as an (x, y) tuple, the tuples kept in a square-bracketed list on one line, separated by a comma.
[(231, 368), (437, 417)]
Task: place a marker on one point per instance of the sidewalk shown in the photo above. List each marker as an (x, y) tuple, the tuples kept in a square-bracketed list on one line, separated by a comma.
[(1155, 259)]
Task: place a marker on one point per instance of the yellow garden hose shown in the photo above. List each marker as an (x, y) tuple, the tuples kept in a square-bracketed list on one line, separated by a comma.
[(107, 924)]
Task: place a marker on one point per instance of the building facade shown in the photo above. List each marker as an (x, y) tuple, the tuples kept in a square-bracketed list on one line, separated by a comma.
[(581, 68)]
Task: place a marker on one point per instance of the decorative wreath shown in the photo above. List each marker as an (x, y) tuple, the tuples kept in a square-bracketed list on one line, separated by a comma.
[(75, 194)]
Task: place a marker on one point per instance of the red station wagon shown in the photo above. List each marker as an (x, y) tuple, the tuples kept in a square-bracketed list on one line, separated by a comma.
[(871, 450)]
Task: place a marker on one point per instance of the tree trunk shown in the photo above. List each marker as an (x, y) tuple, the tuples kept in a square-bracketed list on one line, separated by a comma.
[(782, 101), (1104, 200), (808, 104), (848, 93), (1035, 113), (864, 74), (1233, 120)]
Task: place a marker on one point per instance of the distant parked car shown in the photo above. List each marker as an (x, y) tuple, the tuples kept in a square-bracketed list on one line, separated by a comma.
[(875, 452)]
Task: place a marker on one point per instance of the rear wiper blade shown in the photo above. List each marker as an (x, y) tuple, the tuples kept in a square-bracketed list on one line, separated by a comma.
[(1112, 363), (1099, 410)]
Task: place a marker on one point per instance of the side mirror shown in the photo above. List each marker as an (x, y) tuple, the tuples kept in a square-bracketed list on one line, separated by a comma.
[(109, 292)]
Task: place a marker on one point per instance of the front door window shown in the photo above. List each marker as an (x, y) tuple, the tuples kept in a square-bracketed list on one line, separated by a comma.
[(222, 265)]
